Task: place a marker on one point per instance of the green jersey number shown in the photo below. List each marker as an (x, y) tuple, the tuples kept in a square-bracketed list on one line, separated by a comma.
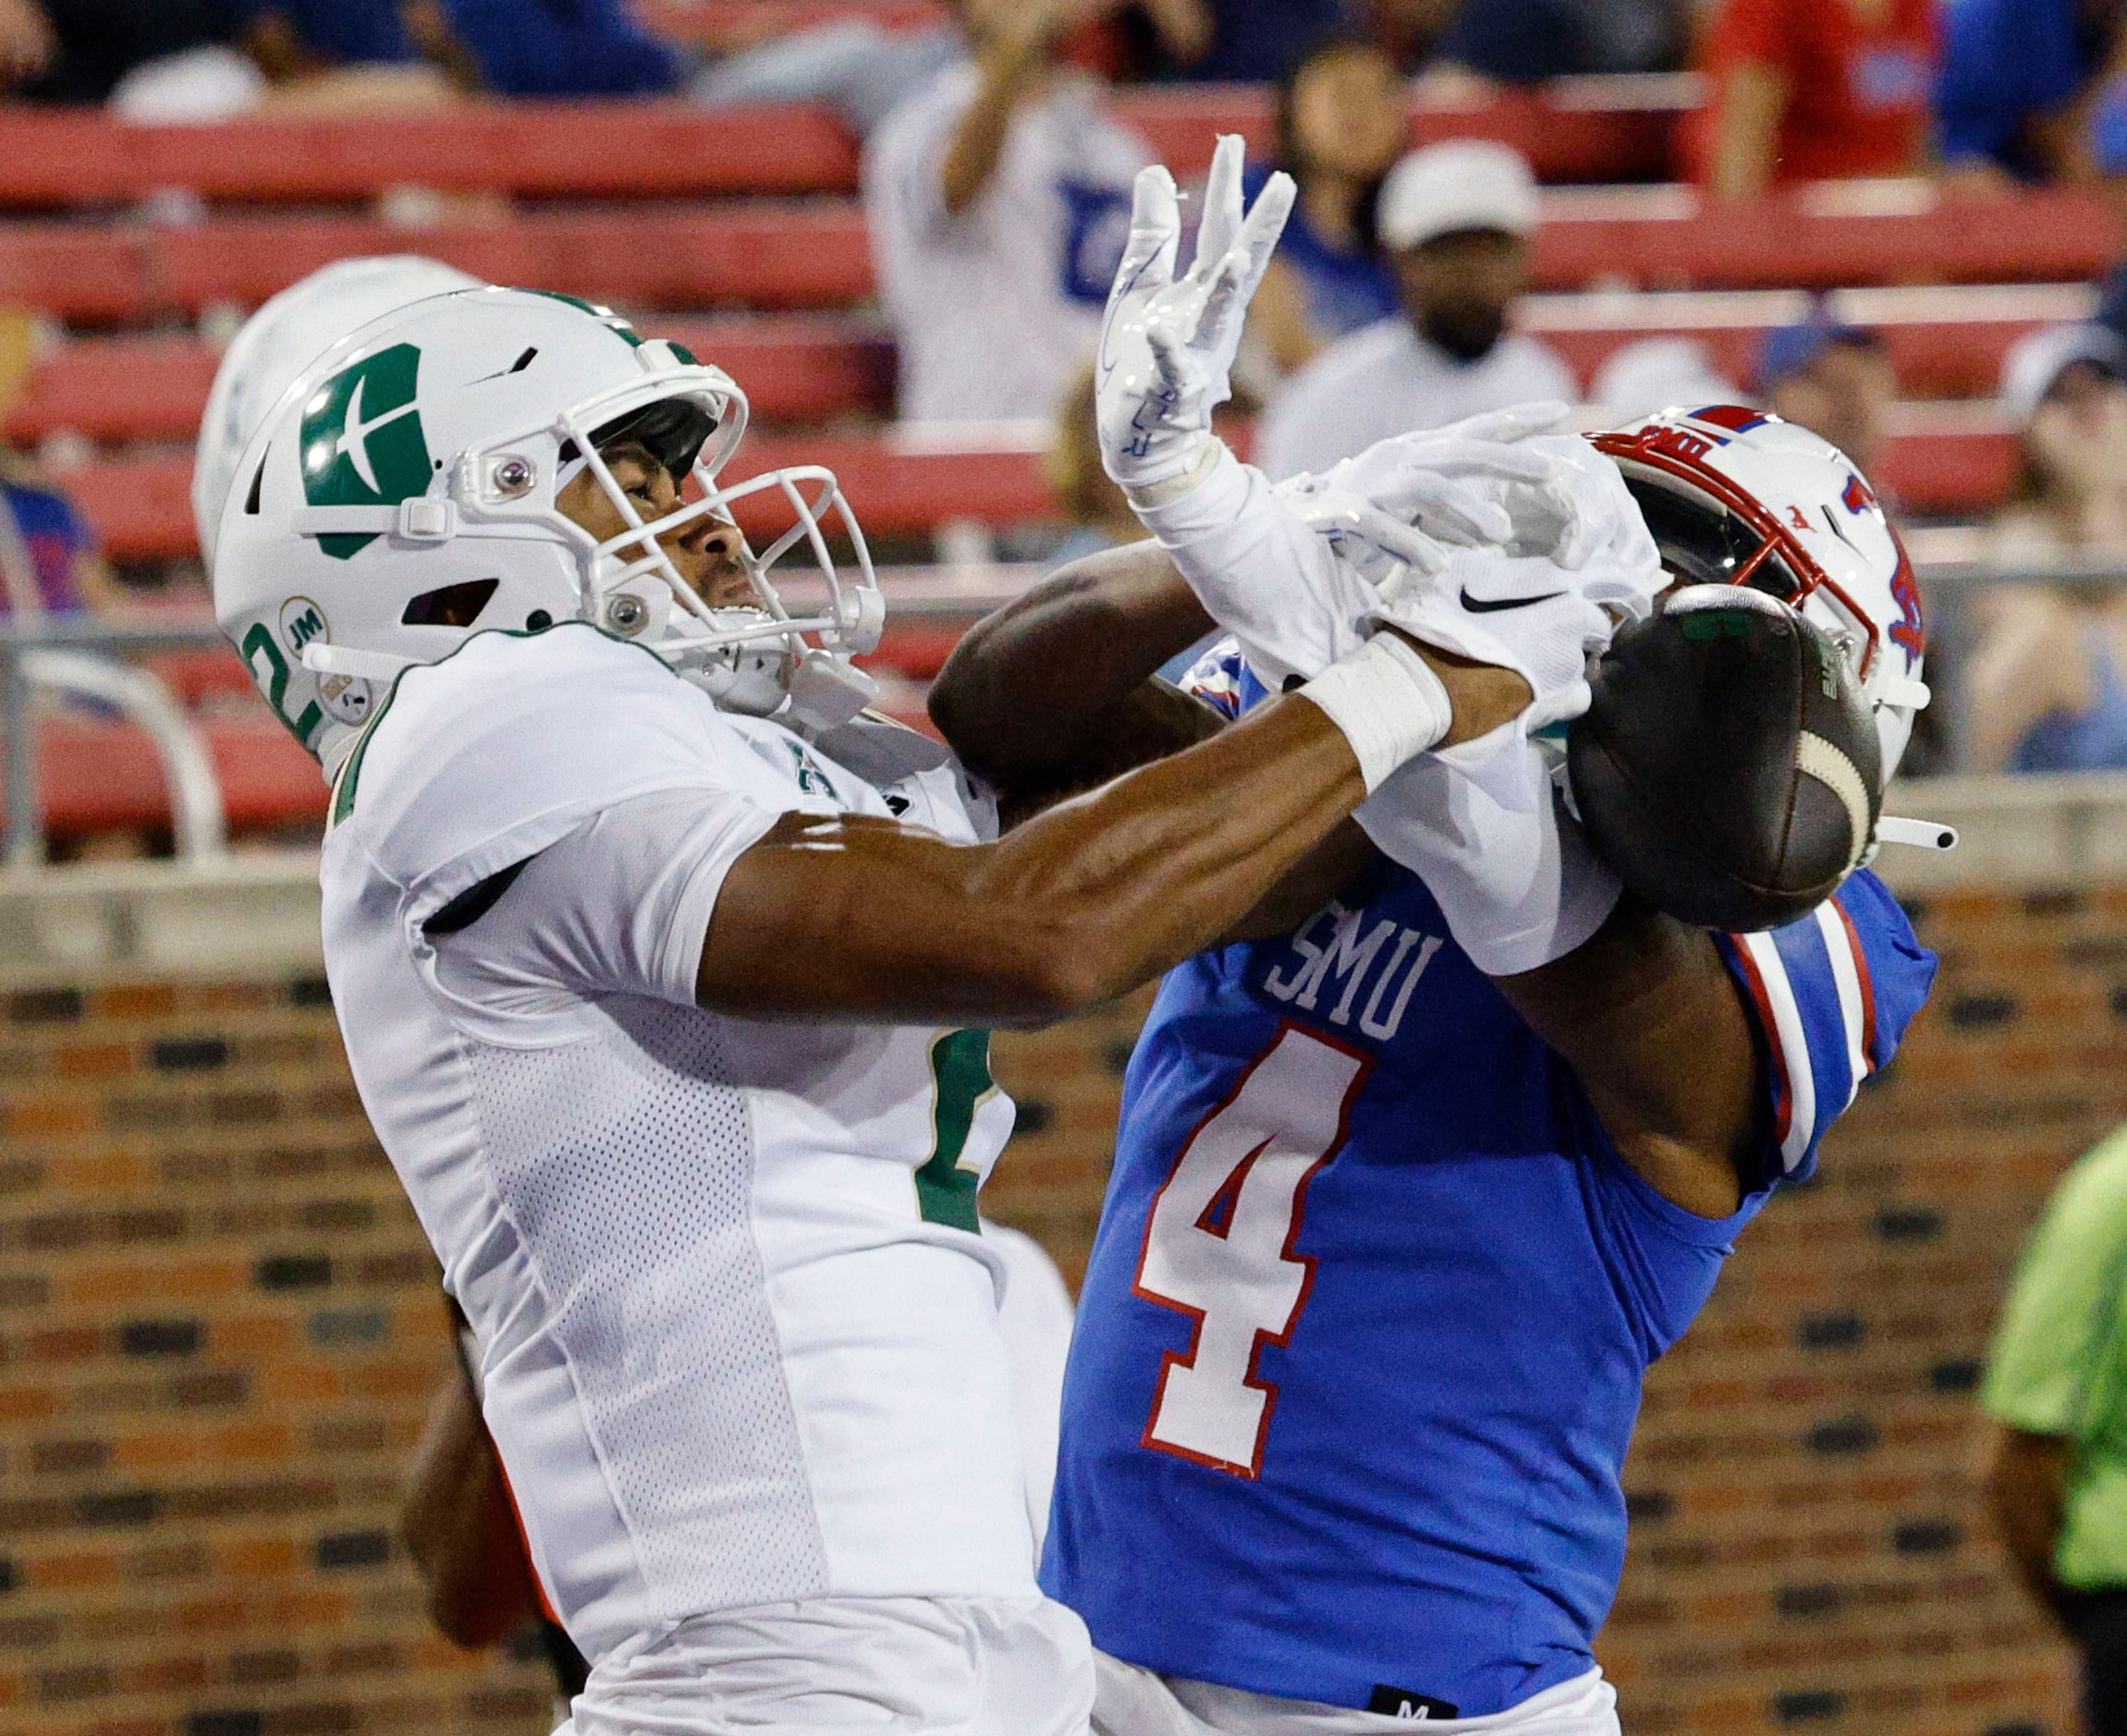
[(961, 1081), (266, 658)]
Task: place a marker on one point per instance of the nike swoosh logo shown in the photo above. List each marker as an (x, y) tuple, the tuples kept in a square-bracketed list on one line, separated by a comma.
[(1478, 606)]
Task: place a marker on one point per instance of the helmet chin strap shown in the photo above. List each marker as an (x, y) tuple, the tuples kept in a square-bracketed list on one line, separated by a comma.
[(321, 658)]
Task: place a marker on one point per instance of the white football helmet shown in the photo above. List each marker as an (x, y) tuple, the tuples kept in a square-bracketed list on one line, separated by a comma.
[(401, 497), (283, 339), (1735, 495)]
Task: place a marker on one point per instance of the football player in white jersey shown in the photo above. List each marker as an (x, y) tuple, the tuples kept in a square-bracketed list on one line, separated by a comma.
[(663, 972)]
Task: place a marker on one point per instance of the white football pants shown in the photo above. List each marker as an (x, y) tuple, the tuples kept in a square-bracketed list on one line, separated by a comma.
[(839, 1666), (1135, 1702)]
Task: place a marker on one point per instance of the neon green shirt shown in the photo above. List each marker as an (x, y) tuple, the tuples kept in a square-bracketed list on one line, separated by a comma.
[(2058, 1364)]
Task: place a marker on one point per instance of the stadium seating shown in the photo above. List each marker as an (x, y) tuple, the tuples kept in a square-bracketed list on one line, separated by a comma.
[(1590, 129), (737, 233), (1946, 460), (1946, 343), (103, 776), (780, 255)]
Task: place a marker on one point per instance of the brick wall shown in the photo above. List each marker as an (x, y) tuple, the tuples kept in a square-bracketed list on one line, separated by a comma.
[(219, 1332)]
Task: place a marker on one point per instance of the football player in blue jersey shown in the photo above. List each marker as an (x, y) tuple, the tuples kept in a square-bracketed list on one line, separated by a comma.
[(1407, 1198)]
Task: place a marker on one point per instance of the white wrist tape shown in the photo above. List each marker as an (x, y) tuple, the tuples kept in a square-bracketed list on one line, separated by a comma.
[(1387, 700), (1150, 497)]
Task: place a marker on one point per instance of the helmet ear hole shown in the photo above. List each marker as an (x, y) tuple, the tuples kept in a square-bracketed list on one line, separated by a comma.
[(453, 605)]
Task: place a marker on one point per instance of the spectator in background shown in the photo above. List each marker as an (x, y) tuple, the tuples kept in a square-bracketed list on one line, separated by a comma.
[(163, 58), (1408, 31), (1229, 41), (999, 203), (1344, 116), (206, 59), (2020, 80), (2046, 688), (544, 47), (1655, 374), (2056, 1386), (856, 66), (49, 561), (1457, 219), (1814, 90), (1835, 380)]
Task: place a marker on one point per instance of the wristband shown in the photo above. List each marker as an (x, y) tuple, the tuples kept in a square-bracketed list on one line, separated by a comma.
[(1387, 700)]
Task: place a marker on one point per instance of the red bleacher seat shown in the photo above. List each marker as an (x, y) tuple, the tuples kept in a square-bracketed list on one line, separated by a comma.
[(1576, 129), (1946, 343), (725, 24), (629, 150), (1792, 242), (1587, 130), (142, 510), (814, 254), (99, 777), (794, 367), (78, 272), (698, 257), (117, 388)]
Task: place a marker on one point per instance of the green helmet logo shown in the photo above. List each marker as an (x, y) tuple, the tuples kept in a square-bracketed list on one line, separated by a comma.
[(362, 444)]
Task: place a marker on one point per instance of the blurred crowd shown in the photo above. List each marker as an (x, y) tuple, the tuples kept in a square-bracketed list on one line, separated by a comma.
[(997, 180)]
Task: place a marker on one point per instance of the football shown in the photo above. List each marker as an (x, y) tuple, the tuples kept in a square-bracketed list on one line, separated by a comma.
[(1728, 770)]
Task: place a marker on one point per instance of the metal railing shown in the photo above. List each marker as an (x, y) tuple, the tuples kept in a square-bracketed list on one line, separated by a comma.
[(87, 657)]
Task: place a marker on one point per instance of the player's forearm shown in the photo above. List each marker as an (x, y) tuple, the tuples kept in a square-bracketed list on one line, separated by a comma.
[(1746, 132), (844, 917), (1010, 69), (455, 1521), (1648, 1019), (2026, 1487), (1035, 694)]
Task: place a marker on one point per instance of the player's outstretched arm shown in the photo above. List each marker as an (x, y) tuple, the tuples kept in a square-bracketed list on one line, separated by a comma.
[(846, 917), (1055, 690), (1648, 1018)]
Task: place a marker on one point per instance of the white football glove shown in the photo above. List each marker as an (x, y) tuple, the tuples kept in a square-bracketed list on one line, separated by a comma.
[(1537, 614), (1388, 510), (1167, 344)]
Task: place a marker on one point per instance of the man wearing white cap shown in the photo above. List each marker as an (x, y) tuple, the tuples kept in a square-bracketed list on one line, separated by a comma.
[(1457, 219)]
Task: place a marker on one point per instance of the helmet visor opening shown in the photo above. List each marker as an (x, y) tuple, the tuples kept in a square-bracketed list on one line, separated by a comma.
[(673, 430), (1703, 543)]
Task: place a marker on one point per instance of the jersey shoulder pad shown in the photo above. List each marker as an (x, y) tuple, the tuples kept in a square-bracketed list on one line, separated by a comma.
[(487, 757)]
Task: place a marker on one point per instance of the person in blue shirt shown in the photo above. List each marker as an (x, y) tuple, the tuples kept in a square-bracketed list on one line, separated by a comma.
[(563, 48), (2011, 72)]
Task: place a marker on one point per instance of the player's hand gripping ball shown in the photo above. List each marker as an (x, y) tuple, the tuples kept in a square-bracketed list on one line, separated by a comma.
[(1726, 769)]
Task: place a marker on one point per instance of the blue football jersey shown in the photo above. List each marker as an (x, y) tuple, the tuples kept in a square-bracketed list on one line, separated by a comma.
[(1364, 1333)]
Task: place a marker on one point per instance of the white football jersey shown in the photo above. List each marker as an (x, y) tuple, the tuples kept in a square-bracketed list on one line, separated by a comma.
[(739, 1338)]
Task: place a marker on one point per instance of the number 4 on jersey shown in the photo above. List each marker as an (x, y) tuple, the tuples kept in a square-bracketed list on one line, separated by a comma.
[(1219, 1245)]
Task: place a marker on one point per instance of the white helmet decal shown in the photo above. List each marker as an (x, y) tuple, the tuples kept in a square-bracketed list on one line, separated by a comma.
[(282, 340), (404, 491)]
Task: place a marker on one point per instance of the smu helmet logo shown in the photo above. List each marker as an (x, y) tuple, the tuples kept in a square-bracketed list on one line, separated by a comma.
[(1907, 631), (363, 443)]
